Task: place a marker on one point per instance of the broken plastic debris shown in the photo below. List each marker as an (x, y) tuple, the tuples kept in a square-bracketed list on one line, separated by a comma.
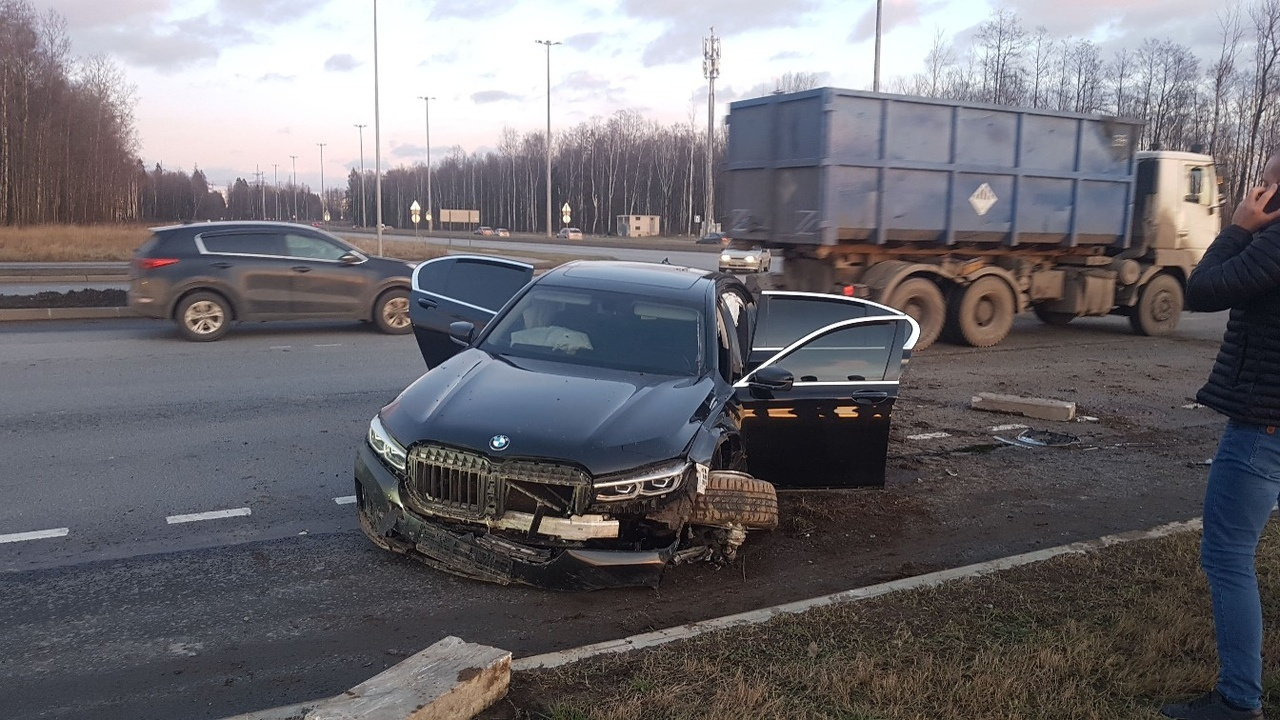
[(1192, 406), (1086, 418), (1040, 438)]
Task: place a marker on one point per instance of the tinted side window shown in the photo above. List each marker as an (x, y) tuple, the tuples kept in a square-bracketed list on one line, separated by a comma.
[(484, 285), (312, 248), (857, 353), (784, 320), (247, 243)]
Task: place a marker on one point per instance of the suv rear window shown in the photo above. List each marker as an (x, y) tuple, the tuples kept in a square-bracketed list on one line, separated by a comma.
[(249, 243)]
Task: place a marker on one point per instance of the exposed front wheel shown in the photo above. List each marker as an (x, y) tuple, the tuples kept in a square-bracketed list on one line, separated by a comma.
[(736, 499), (981, 315), (1159, 306), (921, 299), (203, 317), (391, 312)]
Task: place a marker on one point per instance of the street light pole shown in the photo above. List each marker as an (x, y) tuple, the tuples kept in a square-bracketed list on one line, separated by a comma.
[(377, 133), (875, 81), (364, 208), (275, 174), (294, 158), (430, 217), (710, 69), (548, 43), (322, 213)]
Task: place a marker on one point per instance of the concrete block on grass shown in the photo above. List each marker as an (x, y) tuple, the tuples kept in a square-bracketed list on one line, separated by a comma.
[(1041, 408), (452, 679)]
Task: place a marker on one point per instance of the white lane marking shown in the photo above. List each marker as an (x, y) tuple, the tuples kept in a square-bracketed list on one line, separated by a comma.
[(345, 500), (929, 436), (330, 345), (34, 535), (1002, 428), (212, 515), (279, 347)]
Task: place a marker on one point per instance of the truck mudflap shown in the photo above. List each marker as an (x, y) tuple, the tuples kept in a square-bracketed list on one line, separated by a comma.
[(484, 556)]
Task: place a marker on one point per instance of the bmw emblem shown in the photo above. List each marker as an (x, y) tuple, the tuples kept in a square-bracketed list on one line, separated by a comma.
[(499, 442)]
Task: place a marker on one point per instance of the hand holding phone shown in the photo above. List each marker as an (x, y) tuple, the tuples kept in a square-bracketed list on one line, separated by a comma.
[(1274, 203)]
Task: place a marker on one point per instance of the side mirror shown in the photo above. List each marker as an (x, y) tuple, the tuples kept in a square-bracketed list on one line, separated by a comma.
[(462, 332), (350, 259), (772, 379)]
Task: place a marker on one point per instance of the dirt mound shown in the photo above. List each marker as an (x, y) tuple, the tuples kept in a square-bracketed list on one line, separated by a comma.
[(72, 299)]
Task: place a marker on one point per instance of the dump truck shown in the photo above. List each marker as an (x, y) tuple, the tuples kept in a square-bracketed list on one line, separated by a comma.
[(964, 214)]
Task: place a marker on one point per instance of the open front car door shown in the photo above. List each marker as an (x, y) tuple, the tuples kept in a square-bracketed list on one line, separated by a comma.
[(816, 411), (460, 288)]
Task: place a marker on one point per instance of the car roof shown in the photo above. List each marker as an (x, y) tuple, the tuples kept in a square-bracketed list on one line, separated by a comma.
[(672, 280), (229, 224)]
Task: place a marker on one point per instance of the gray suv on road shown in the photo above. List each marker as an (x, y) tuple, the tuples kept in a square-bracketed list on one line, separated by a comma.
[(204, 276)]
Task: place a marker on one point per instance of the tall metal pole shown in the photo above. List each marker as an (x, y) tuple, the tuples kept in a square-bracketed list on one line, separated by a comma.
[(262, 189), (711, 70), (875, 82), (364, 206), (548, 43), (377, 133), (322, 213), (275, 173), (294, 158), (430, 217)]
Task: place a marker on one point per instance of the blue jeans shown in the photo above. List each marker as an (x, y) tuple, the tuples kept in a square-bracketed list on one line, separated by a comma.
[(1244, 484)]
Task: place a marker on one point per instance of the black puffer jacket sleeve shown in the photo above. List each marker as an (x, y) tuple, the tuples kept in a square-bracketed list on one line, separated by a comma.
[(1237, 267)]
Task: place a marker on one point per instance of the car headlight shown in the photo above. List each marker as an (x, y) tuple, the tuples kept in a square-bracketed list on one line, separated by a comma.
[(387, 447), (646, 482), (726, 258)]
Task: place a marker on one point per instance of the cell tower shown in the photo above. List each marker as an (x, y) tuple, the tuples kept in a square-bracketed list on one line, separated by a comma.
[(711, 71)]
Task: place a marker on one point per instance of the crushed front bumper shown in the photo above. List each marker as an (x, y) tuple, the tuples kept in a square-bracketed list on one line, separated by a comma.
[(389, 524)]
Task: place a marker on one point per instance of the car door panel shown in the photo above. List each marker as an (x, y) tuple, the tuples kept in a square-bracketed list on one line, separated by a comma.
[(251, 262), (459, 288), (830, 429), (323, 285)]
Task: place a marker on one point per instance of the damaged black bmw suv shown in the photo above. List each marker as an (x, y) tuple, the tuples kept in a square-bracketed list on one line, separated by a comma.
[(590, 427)]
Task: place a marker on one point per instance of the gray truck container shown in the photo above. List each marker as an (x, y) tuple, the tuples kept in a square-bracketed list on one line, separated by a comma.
[(833, 167)]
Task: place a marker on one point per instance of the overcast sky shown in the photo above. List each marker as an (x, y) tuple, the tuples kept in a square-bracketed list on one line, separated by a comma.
[(234, 85)]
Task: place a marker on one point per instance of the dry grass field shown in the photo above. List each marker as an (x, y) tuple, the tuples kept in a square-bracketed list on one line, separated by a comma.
[(1107, 636), (101, 243)]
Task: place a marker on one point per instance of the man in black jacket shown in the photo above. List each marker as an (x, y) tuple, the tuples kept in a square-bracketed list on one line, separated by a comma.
[(1240, 271)]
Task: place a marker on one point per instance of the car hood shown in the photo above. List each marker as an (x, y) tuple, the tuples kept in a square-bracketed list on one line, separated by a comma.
[(607, 421)]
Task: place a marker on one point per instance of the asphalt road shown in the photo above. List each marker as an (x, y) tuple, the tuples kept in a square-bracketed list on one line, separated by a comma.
[(116, 603)]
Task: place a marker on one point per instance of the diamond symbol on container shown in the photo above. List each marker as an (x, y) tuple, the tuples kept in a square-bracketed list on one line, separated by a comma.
[(983, 198)]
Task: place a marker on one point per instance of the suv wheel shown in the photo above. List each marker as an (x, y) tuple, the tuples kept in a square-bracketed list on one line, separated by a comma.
[(203, 317), (391, 312)]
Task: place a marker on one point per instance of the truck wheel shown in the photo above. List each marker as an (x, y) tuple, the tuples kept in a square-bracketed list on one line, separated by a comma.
[(1159, 306), (1049, 317), (203, 317), (922, 300), (736, 498), (981, 315)]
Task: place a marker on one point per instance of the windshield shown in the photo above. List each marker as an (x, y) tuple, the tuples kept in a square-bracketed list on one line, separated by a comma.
[(602, 329)]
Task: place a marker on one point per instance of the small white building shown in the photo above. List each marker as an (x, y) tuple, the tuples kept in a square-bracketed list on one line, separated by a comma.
[(639, 225)]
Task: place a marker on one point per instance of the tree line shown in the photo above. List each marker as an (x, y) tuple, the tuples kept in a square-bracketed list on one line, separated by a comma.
[(68, 146)]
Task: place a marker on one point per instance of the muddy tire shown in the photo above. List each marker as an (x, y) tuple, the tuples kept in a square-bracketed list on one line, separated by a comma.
[(922, 300), (736, 498), (391, 312), (981, 315), (203, 317), (1049, 317), (1159, 306)]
